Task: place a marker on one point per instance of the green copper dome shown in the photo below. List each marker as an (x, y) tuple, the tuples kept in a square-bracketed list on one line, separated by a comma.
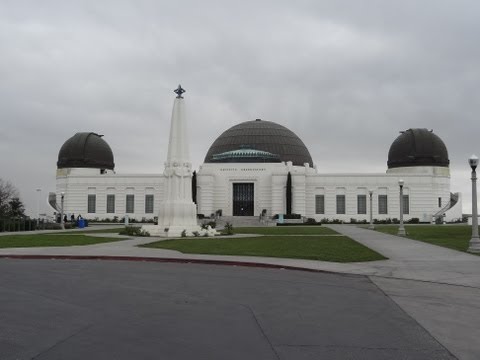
[(246, 155)]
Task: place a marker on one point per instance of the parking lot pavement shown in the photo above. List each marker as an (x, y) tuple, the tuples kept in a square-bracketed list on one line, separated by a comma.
[(77, 309)]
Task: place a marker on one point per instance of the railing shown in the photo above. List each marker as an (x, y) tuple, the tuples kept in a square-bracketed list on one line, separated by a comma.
[(450, 204), (18, 224)]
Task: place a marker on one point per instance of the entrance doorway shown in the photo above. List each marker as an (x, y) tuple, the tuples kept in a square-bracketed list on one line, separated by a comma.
[(243, 197)]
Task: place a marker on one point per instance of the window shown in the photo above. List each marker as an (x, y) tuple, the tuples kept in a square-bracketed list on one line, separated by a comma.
[(340, 204), (92, 200), (110, 203), (319, 204), (129, 209), (148, 204), (361, 204), (439, 202), (382, 204), (406, 205)]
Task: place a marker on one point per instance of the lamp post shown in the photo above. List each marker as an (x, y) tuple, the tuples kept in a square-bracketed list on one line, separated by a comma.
[(62, 224), (401, 228), (39, 195), (371, 227), (474, 245)]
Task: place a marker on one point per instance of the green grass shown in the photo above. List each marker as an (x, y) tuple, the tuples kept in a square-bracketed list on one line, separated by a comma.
[(324, 248), (285, 230), (454, 237), (94, 231), (62, 239)]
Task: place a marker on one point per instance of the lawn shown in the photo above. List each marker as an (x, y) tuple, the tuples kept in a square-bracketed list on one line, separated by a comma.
[(324, 248), (94, 231), (451, 236), (60, 239), (285, 230)]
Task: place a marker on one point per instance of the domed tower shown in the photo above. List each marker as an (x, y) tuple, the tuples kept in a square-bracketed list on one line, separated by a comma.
[(258, 141), (86, 150), (246, 168), (418, 151), (88, 156)]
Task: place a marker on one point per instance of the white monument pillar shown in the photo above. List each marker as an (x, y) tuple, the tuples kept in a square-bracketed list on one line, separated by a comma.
[(177, 210)]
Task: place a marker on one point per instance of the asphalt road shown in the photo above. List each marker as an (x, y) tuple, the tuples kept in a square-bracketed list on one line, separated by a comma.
[(82, 309)]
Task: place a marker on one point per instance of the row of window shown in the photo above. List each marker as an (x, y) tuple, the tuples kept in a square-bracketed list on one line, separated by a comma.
[(129, 204), (361, 204)]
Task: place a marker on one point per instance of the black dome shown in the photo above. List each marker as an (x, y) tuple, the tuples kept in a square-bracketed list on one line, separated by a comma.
[(417, 147), (261, 135), (85, 150)]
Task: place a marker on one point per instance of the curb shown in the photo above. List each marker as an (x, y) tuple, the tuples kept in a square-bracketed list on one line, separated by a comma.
[(171, 260)]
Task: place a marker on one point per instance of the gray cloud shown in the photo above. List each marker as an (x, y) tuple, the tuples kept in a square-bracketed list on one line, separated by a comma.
[(345, 76)]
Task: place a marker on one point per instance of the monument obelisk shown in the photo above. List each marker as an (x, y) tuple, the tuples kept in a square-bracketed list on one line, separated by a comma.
[(177, 210)]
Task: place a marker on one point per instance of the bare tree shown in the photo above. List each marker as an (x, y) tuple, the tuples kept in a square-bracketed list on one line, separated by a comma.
[(8, 192)]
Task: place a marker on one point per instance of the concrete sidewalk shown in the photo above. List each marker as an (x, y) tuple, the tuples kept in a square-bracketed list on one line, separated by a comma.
[(438, 287), (414, 260), (408, 259)]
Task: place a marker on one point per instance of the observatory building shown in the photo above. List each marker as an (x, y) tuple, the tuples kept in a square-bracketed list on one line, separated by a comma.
[(245, 173)]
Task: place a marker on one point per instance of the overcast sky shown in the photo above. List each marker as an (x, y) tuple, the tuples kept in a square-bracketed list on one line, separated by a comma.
[(345, 76)]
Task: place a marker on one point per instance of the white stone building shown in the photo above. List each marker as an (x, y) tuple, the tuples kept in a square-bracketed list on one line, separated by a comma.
[(245, 172)]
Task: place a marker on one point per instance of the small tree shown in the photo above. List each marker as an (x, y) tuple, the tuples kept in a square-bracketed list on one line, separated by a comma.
[(7, 193), (194, 187), (16, 207), (289, 193)]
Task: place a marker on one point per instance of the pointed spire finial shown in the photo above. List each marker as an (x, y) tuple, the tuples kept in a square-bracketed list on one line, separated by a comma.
[(179, 91)]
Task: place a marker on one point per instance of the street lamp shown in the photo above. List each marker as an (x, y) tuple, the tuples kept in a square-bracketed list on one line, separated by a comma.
[(39, 195), (401, 228), (371, 227), (62, 194), (474, 245)]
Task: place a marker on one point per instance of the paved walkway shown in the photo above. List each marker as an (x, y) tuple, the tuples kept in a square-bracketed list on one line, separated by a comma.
[(438, 287), (408, 259)]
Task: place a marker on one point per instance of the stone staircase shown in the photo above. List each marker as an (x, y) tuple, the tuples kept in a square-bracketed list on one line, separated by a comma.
[(244, 221)]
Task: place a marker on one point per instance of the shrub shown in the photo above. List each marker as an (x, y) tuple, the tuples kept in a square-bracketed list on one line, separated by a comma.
[(228, 229), (413, 221), (52, 226), (288, 216), (134, 231), (184, 233), (311, 221), (196, 234)]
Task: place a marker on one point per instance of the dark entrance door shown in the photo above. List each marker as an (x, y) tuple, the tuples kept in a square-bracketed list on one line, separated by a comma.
[(243, 199)]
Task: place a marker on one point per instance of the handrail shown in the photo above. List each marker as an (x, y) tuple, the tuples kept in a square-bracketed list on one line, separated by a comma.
[(453, 200)]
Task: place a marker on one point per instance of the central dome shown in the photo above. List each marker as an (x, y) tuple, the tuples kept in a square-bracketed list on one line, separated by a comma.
[(265, 136)]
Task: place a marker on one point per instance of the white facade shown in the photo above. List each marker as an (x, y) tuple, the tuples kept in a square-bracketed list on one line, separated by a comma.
[(78, 184), (428, 190)]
